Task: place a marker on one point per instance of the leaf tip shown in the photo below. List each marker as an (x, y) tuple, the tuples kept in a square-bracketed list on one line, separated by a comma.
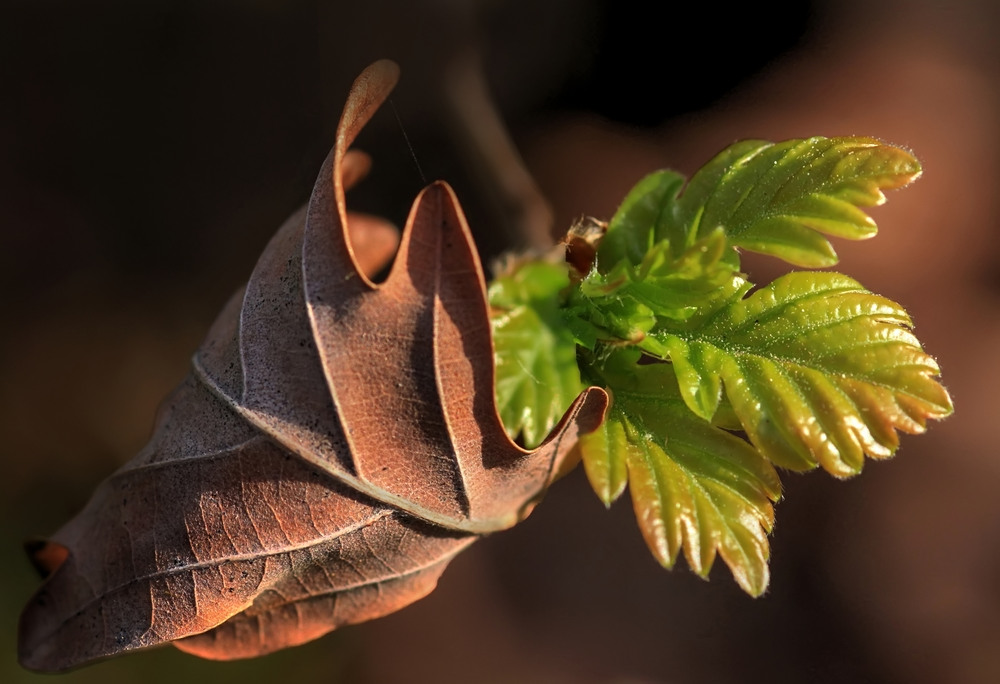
[(369, 90)]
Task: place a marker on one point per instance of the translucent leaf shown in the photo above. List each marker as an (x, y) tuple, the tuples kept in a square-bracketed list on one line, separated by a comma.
[(537, 376), (604, 462), (694, 486), (819, 371), (781, 199)]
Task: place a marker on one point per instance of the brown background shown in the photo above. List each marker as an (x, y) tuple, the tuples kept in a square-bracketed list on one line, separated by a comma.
[(148, 151)]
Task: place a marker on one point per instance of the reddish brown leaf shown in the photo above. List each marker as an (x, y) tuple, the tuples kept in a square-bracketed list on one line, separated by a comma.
[(335, 445)]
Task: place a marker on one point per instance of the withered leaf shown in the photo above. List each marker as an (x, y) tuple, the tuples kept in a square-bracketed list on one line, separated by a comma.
[(335, 445)]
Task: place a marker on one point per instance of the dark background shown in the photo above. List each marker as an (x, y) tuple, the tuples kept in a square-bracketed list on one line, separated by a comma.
[(149, 150)]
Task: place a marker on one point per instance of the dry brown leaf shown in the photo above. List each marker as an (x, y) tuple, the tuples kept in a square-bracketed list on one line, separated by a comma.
[(336, 444)]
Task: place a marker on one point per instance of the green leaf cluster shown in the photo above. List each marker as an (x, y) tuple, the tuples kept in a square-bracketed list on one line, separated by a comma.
[(715, 384)]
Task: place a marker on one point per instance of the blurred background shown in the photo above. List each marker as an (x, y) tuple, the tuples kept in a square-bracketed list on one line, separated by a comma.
[(149, 150)]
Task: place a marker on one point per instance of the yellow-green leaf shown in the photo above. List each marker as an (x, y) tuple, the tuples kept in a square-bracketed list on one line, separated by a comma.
[(819, 370), (782, 198), (694, 486)]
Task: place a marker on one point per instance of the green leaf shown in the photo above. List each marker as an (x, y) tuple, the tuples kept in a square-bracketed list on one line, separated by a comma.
[(603, 460), (781, 199), (819, 371), (625, 304), (643, 215), (813, 369), (694, 486), (537, 376)]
